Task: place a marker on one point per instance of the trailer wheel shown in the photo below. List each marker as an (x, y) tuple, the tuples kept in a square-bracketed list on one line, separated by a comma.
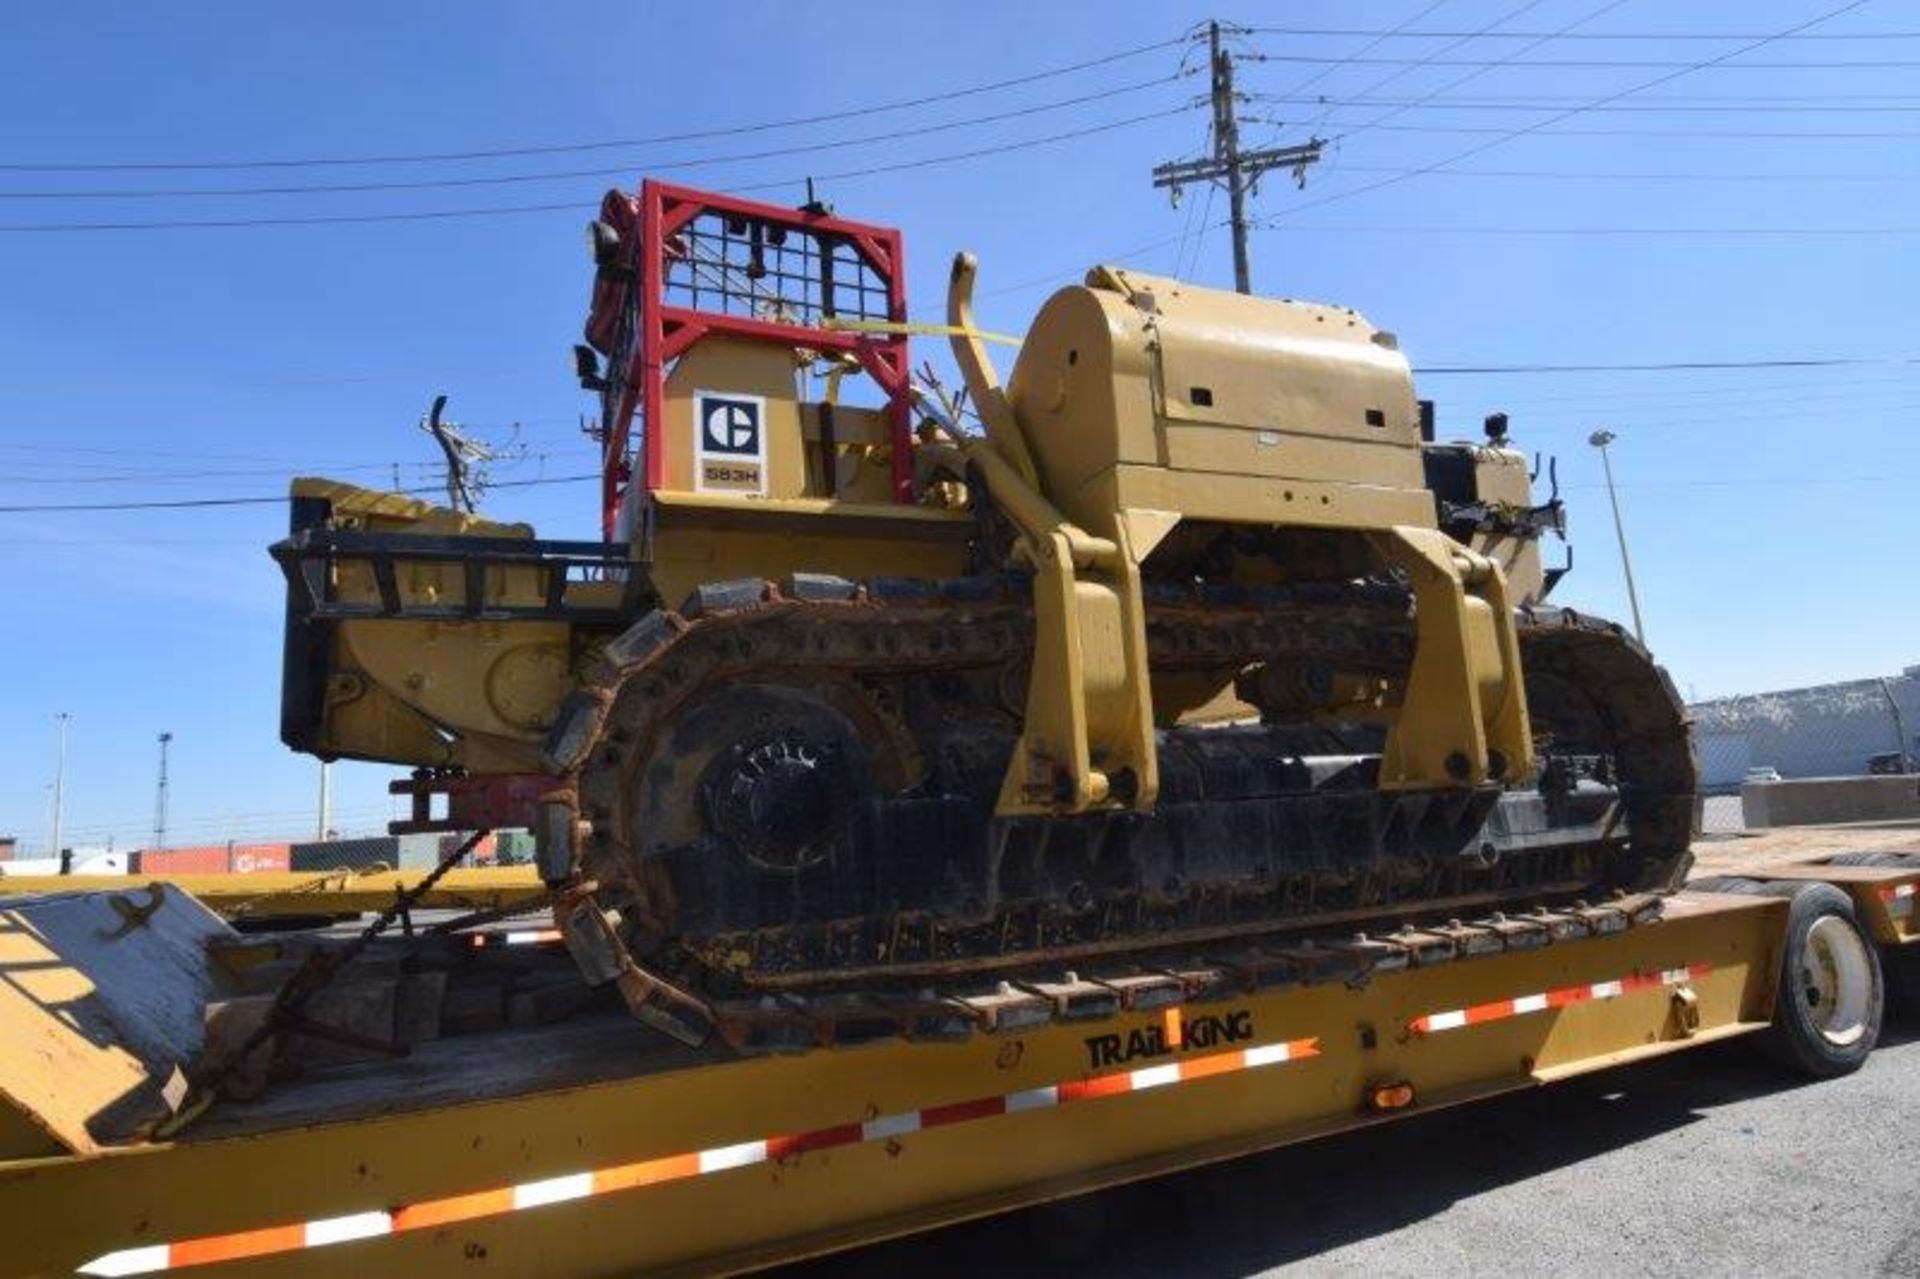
[(1832, 994)]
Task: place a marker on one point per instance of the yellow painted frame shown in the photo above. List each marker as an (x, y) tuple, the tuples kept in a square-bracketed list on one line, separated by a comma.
[(58, 1213)]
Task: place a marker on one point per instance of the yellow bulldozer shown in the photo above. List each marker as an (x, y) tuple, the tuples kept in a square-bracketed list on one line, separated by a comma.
[(1188, 637)]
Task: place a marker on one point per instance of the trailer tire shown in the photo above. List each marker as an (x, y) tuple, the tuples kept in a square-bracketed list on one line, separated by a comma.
[(1832, 996), (1890, 861)]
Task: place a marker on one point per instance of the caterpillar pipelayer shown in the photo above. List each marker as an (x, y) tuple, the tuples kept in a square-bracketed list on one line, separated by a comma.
[(1199, 641)]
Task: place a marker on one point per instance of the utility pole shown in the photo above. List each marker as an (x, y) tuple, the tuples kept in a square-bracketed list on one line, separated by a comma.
[(1600, 440), (160, 798), (59, 780), (1239, 170)]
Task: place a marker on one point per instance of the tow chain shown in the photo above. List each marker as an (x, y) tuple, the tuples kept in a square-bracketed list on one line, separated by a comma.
[(315, 973)]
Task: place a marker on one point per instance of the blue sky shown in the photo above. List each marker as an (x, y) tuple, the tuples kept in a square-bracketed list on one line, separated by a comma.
[(1769, 510)]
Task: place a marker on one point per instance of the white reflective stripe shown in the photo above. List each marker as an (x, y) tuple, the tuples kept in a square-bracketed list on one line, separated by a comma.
[(1268, 1055), (1607, 989), (1032, 1099), (1447, 1021), (747, 1152), (1530, 1004), (1156, 1076), (888, 1126), (129, 1261), (1676, 976), (359, 1225), (553, 1190)]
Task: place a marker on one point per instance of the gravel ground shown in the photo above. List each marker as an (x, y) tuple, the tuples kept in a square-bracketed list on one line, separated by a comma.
[(1709, 1163)]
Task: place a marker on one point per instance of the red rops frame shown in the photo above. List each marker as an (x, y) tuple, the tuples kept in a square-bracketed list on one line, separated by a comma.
[(695, 264)]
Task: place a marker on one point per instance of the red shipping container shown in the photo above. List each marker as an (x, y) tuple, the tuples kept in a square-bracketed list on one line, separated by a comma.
[(481, 854), (251, 858), (206, 859)]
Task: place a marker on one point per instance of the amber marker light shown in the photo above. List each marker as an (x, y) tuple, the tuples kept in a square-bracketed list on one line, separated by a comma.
[(1392, 1096)]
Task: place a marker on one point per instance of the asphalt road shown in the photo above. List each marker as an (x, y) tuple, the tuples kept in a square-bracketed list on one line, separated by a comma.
[(1708, 1163)]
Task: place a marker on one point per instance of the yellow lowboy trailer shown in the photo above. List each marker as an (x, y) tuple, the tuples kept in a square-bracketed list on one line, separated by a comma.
[(593, 1146), (266, 895)]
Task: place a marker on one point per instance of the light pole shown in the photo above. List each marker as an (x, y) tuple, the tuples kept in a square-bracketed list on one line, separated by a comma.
[(160, 797), (1600, 439), (59, 779), (326, 801)]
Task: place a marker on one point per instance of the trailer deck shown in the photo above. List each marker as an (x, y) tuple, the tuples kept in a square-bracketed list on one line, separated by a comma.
[(593, 1146)]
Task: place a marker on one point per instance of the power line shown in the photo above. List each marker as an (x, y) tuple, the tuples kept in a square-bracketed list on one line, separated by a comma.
[(1402, 33), (1455, 83), (1728, 231), (1430, 370), (1605, 64), (601, 145), (1796, 481), (1799, 176), (1575, 412), (1674, 366), (574, 206), (1573, 99), (1894, 402), (1881, 384), (1741, 106), (1424, 60), (199, 502), (1324, 72), (935, 310), (122, 476), (1604, 99), (1858, 135), (661, 166)]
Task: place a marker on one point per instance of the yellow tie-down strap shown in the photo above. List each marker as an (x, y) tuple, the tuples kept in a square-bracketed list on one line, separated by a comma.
[(917, 330)]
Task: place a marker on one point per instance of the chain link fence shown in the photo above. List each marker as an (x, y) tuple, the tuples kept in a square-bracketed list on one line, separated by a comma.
[(1858, 728)]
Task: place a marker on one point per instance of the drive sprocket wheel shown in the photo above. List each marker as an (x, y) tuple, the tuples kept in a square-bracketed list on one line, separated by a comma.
[(722, 805)]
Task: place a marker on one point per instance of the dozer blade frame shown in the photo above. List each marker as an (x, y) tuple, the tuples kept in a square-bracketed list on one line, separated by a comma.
[(1087, 737), (1463, 720), (1089, 712)]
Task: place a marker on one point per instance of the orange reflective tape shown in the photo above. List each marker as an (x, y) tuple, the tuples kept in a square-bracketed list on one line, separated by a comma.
[(1218, 1064), (244, 1243), (648, 1172), (1101, 1086), (441, 1212), (1170, 1029)]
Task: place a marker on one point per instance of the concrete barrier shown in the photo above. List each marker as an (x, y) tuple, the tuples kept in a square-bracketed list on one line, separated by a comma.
[(1824, 801)]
